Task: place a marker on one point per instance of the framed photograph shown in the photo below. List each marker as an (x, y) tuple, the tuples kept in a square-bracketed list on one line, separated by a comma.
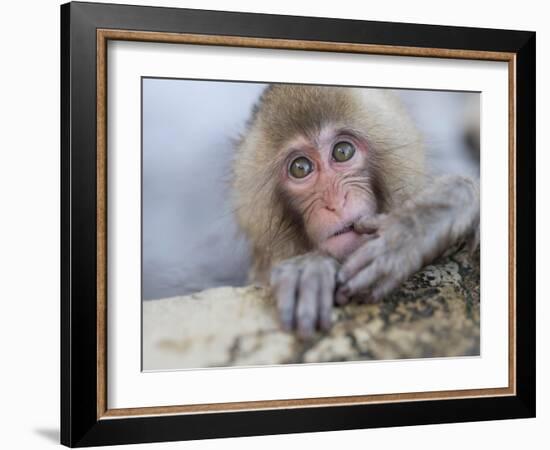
[(278, 224)]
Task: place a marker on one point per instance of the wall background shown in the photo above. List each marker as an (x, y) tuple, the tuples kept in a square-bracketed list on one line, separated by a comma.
[(29, 228)]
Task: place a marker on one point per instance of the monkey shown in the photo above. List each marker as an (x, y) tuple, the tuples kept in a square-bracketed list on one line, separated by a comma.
[(330, 187)]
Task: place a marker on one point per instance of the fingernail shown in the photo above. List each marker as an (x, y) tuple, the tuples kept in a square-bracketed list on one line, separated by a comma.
[(305, 333), (342, 295), (285, 326), (286, 318), (325, 324)]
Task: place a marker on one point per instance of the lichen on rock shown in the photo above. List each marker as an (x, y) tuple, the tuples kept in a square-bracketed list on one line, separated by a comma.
[(434, 314)]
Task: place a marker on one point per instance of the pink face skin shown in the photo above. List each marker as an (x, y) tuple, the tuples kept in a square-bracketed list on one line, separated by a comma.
[(334, 194)]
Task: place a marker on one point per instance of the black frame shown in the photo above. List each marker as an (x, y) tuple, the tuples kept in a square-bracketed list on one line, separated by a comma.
[(79, 423)]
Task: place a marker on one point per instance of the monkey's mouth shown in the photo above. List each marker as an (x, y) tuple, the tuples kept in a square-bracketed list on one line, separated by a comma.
[(342, 242), (344, 230)]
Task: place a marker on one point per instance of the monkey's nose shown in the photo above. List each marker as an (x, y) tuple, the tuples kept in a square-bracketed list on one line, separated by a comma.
[(336, 204)]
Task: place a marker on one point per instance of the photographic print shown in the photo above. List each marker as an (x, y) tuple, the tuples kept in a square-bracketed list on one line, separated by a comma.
[(267, 220), (292, 223)]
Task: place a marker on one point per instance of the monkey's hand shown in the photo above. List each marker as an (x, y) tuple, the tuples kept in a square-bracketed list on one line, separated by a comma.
[(304, 288), (406, 239)]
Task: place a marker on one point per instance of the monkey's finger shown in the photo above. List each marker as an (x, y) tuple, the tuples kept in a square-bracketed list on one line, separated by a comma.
[(364, 280), (341, 296), (308, 307), (369, 225), (383, 288), (326, 299), (359, 259), (285, 285)]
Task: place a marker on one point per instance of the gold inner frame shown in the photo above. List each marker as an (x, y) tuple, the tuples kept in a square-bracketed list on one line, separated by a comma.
[(103, 36)]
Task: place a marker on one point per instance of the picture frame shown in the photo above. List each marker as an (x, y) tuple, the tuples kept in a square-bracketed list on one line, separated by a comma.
[(86, 418)]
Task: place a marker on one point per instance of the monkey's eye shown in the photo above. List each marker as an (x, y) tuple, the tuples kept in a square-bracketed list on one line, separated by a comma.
[(342, 151), (300, 167)]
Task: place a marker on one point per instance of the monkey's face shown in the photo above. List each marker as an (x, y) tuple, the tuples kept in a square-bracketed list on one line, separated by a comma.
[(329, 185)]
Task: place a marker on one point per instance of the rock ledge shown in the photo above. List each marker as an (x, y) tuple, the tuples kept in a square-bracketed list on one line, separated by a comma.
[(434, 314)]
